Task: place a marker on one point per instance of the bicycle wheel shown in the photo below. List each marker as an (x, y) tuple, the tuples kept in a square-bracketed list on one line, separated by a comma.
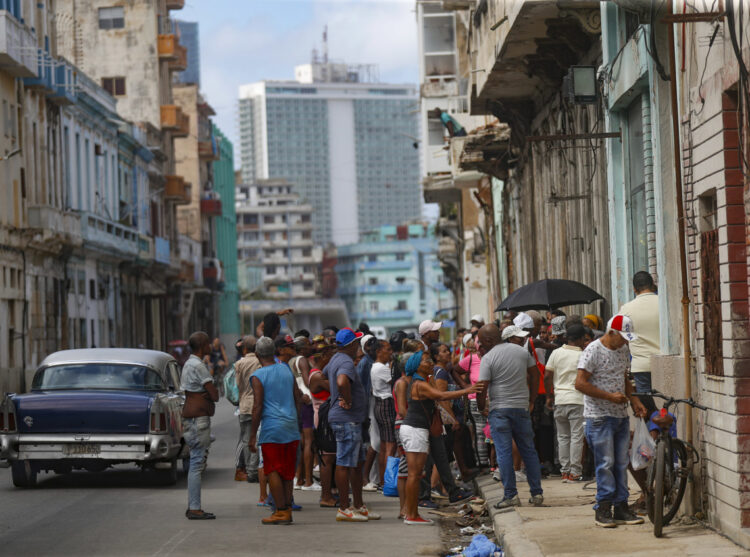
[(660, 464), (674, 489)]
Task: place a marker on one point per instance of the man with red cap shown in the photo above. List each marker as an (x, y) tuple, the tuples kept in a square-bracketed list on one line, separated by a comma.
[(602, 378)]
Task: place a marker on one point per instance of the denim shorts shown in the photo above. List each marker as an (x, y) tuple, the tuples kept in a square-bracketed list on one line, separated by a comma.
[(350, 450)]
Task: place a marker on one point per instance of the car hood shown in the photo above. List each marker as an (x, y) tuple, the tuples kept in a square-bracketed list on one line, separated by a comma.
[(83, 411)]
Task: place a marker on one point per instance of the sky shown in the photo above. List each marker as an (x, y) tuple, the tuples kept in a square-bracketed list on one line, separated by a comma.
[(243, 41)]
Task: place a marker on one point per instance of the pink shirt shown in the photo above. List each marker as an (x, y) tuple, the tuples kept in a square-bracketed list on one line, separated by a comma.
[(471, 364)]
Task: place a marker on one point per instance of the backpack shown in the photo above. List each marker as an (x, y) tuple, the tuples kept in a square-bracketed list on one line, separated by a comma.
[(324, 437), (231, 390)]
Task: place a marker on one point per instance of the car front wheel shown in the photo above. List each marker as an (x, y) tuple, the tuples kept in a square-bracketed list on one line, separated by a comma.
[(23, 473)]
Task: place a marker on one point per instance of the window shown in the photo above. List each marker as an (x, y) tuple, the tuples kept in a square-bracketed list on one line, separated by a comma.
[(271, 270), (305, 218), (636, 188), (307, 286), (306, 235), (268, 219), (372, 258), (115, 86), (401, 305), (374, 306), (400, 257), (401, 280), (372, 281), (92, 289), (307, 252), (112, 18)]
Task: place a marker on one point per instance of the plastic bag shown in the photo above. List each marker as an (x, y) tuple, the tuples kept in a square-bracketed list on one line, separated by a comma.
[(643, 448), (390, 478), (231, 391)]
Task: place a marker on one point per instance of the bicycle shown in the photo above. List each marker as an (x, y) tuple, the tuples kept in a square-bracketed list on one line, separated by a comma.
[(667, 477)]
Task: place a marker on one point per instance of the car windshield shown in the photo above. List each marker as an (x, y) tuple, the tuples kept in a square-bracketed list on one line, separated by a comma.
[(97, 376)]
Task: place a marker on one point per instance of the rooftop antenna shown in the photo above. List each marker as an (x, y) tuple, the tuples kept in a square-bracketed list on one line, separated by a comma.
[(325, 44)]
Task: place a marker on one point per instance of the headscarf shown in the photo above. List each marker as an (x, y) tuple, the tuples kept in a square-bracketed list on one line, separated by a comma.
[(594, 319), (412, 364)]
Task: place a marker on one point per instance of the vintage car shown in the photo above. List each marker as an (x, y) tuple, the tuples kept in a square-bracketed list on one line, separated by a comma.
[(93, 408)]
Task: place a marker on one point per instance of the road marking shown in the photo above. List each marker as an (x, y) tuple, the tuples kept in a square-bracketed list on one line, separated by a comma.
[(173, 543)]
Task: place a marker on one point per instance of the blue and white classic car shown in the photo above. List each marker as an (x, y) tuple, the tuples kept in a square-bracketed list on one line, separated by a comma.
[(92, 408)]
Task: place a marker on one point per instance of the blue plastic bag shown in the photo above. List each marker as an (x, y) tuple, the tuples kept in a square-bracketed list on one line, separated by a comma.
[(390, 479), (481, 547), (231, 391)]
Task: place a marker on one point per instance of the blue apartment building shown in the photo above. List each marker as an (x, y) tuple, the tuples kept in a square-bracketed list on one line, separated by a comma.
[(392, 278)]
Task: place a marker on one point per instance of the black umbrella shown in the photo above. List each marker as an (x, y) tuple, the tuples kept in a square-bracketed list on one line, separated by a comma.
[(549, 294)]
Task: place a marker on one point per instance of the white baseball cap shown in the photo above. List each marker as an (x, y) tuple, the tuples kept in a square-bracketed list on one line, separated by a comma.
[(514, 331), (428, 325), (523, 321), (466, 339), (363, 341), (478, 318), (623, 325)]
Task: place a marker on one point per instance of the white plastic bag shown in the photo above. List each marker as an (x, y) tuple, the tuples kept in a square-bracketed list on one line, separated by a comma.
[(643, 448)]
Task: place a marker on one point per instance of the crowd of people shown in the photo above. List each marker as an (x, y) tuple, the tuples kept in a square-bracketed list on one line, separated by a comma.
[(528, 396)]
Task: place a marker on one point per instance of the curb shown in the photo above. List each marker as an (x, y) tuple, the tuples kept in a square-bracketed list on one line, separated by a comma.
[(508, 524)]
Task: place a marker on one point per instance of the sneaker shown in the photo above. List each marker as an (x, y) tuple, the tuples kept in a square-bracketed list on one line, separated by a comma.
[(574, 478), (603, 516), (496, 476), (623, 515), (564, 477), (297, 487), (416, 521), (314, 487), (507, 503), (370, 487), (295, 506), (427, 504), (364, 511), (240, 475), (521, 476), (435, 493), (349, 515), (461, 495), (279, 517), (536, 500)]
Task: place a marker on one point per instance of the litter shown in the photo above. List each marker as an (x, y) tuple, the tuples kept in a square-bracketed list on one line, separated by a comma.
[(471, 530), (480, 547)]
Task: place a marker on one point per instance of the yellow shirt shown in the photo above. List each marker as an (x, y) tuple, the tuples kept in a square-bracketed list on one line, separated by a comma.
[(644, 311), (563, 362)]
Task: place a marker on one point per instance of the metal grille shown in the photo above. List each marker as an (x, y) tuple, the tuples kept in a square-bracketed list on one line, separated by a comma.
[(711, 289)]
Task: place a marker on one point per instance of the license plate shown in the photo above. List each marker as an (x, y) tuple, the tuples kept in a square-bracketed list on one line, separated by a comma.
[(82, 449)]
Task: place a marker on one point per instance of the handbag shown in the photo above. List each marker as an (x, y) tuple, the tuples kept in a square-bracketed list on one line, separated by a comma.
[(436, 425)]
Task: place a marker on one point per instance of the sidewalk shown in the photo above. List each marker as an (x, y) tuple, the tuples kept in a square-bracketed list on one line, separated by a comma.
[(564, 527)]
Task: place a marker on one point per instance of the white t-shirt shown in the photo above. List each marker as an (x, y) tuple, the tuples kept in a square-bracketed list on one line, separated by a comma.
[(380, 377), (644, 311), (607, 368), (564, 363)]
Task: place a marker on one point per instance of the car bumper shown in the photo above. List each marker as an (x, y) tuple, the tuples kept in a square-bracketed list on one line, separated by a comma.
[(56, 446)]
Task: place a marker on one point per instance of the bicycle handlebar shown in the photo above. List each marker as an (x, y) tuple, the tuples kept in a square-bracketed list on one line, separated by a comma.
[(671, 400)]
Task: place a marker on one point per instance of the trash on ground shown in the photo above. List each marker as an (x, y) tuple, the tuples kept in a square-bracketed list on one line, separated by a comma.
[(480, 546)]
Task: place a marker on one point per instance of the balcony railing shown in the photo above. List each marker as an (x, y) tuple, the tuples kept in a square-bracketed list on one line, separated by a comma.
[(18, 56), (177, 190), (55, 223), (174, 120), (211, 207), (175, 4), (145, 249), (376, 289), (376, 315), (207, 150), (109, 236), (162, 253), (180, 61)]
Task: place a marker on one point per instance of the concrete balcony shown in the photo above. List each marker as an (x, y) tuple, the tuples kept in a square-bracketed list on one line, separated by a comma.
[(180, 62), (376, 289), (167, 47), (64, 86), (107, 236), (18, 55), (162, 251), (211, 207), (175, 4), (207, 150), (177, 190), (374, 265), (396, 314), (55, 225), (174, 120), (43, 79)]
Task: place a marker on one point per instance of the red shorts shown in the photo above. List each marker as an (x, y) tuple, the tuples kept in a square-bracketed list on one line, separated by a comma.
[(280, 458)]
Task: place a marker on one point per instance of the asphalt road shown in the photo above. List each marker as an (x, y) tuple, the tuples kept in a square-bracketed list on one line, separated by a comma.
[(118, 512)]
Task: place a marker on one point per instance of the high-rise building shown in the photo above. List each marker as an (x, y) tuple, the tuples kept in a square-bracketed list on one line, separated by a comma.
[(349, 145), (274, 242), (189, 37)]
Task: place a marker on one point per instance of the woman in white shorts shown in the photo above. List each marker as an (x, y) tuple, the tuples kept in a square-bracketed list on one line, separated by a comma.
[(414, 433)]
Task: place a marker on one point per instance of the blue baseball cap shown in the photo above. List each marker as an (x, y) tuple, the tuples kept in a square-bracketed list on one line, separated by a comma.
[(346, 336)]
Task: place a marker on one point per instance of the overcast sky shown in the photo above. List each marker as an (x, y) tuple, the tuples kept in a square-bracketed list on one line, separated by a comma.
[(243, 41)]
